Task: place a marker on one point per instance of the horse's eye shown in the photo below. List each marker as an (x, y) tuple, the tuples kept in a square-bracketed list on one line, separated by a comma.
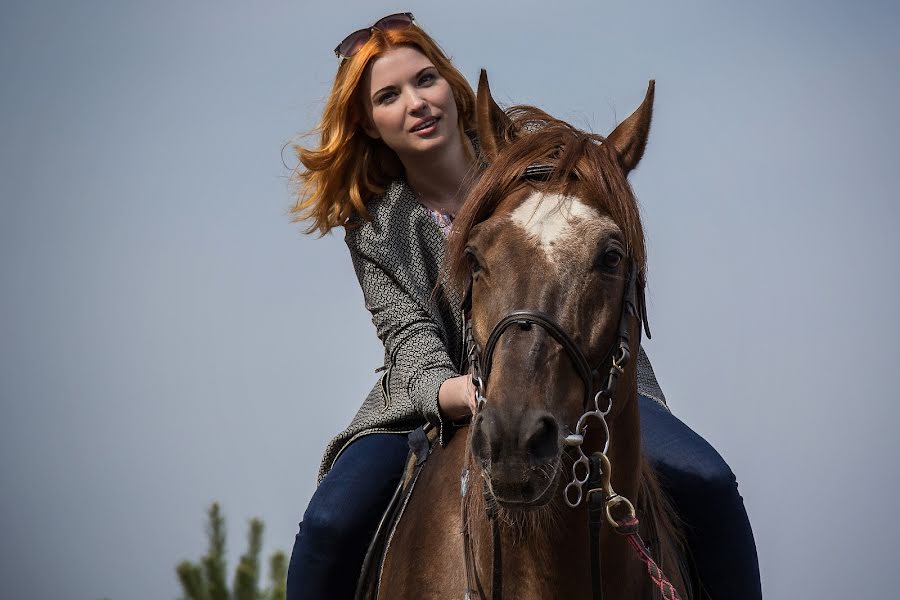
[(474, 265), (612, 259)]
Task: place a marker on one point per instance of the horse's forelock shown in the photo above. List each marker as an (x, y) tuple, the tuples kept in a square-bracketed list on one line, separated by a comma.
[(580, 160)]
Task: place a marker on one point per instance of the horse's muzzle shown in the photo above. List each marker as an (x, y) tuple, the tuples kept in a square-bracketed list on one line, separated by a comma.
[(519, 455)]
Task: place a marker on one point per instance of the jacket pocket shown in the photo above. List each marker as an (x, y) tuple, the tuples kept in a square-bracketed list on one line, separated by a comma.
[(386, 387)]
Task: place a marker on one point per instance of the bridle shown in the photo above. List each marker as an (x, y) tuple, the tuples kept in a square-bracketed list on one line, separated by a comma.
[(614, 362), (592, 472), (617, 358)]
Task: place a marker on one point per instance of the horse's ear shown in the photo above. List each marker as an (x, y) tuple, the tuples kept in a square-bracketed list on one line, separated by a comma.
[(493, 123), (630, 137)]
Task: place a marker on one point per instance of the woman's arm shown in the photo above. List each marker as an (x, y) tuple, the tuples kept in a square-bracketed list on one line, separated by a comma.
[(456, 398), (420, 368)]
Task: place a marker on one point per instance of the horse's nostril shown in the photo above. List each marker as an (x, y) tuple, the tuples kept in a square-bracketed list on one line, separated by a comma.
[(542, 443)]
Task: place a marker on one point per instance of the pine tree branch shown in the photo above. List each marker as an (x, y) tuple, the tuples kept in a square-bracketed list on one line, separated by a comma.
[(208, 579), (246, 576), (278, 576), (244, 582), (214, 562), (191, 578)]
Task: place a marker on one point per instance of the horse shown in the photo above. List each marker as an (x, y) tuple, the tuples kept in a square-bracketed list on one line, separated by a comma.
[(549, 253)]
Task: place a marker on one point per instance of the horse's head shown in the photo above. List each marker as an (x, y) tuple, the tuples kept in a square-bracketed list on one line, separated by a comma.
[(561, 241)]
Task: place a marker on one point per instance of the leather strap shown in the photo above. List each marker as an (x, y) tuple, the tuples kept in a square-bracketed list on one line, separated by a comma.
[(525, 319), (473, 585), (497, 560), (595, 502)]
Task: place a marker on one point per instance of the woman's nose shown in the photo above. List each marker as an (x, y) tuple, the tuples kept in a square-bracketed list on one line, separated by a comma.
[(417, 103)]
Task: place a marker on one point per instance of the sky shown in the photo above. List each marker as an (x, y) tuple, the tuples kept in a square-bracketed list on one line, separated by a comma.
[(168, 338)]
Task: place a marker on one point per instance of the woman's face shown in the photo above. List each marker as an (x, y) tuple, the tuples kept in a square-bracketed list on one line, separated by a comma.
[(409, 105)]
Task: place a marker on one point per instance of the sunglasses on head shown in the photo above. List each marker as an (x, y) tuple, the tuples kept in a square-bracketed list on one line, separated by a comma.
[(353, 42)]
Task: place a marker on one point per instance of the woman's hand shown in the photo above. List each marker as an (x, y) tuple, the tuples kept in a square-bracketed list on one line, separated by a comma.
[(456, 397)]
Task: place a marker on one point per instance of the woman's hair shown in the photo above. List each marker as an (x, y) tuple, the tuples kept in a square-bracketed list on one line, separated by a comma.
[(349, 167)]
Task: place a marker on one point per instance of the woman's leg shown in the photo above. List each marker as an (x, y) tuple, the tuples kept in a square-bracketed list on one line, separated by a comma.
[(342, 517), (704, 492)]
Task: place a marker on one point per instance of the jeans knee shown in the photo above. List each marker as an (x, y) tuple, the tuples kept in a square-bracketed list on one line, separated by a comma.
[(711, 478), (703, 474), (716, 478), (326, 526)]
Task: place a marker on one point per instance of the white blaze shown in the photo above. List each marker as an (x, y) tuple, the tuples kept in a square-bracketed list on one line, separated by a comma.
[(552, 222)]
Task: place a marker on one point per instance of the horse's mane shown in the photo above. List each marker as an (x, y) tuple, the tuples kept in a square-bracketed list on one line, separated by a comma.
[(579, 159), (666, 530)]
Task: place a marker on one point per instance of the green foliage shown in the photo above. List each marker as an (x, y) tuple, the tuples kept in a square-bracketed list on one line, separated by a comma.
[(207, 580), (277, 576)]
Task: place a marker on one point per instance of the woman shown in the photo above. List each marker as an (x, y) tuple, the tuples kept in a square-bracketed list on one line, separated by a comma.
[(392, 169)]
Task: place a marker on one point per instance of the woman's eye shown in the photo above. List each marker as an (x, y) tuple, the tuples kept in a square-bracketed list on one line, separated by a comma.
[(386, 97), (426, 78), (612, 259)]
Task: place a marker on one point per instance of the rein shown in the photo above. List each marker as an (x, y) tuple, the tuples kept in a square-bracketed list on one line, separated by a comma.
[(591, 475)]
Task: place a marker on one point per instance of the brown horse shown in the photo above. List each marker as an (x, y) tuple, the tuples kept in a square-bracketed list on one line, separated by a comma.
[(565, 245)]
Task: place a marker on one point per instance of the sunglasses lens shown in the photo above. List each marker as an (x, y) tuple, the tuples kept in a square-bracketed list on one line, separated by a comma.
[(353, 42), (391, 22)]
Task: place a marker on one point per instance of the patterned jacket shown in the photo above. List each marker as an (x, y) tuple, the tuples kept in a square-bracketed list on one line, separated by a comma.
[(397, 257)]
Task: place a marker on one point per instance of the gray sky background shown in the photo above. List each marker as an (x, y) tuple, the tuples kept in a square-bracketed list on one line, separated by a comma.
[(168, 338)]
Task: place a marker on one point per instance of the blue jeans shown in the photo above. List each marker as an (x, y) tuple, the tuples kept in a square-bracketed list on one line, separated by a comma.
[(704, 492), (345, 510), (342, 517)]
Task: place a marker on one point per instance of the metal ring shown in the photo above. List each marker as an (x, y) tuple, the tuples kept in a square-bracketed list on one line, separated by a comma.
[(570, 485), (615, 500), (597, 400), (581, 426), (621, 359), (582, 460)]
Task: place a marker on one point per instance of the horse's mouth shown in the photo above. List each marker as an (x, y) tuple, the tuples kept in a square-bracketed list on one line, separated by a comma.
[(522, 501)]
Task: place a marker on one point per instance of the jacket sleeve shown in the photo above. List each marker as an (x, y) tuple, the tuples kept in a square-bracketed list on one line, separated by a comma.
[(415, 344), (646, 380)]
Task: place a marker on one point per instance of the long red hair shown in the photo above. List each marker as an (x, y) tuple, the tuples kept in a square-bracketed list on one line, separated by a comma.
[(334, 180)]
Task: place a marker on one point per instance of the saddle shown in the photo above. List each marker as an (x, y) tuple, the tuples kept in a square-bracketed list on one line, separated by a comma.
[(421, 442)]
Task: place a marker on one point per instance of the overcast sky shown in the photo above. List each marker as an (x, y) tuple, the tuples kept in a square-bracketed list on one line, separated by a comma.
[(168, 337)]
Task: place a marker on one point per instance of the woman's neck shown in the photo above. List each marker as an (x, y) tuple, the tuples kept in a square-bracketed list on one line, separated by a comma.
[(438, 177)]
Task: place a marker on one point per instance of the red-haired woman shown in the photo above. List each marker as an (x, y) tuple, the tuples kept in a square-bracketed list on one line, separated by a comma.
[(392, 168)]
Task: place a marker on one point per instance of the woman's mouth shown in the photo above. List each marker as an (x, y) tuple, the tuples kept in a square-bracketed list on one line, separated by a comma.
[(425, 126)]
